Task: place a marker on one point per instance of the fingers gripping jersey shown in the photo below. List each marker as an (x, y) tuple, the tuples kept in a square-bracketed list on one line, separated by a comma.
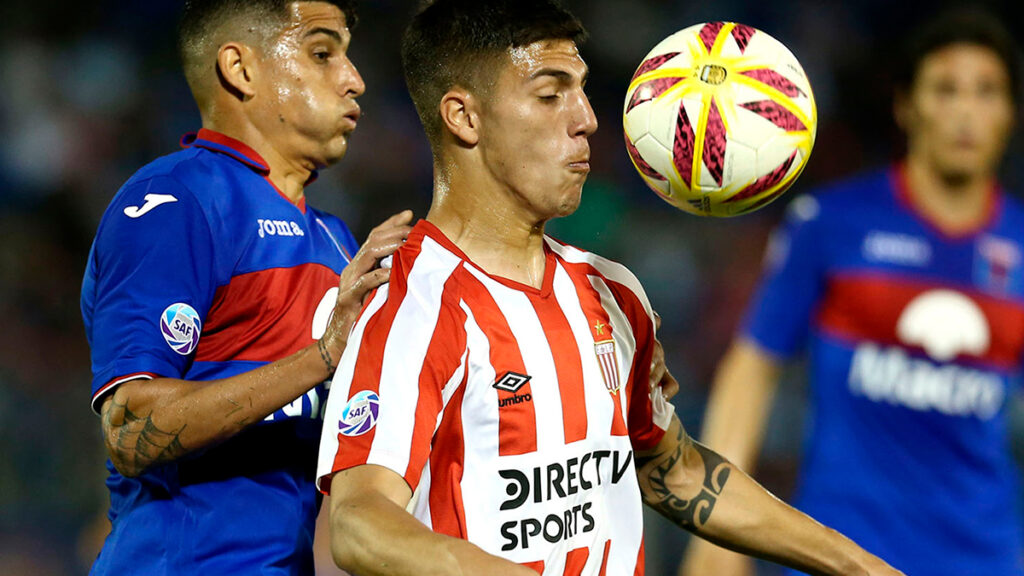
[(512, 412)]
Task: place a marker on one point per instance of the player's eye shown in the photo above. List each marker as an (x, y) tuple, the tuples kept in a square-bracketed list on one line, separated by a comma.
[(945, 88), (990, 89), (321, 55)]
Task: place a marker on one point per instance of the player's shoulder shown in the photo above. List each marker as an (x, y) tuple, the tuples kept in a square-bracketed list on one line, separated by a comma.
[(166, 175), (154, 194), (606, 267), (838, 199), (1012, 209), (422, 264), (615, 275)]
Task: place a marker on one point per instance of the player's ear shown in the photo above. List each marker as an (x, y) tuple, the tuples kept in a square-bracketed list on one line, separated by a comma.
[(236, 69), (460, 115), (901, 109)]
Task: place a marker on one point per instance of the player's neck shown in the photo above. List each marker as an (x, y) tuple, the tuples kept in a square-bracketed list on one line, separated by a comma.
[(288, 176), (486, 225), (955, 205)]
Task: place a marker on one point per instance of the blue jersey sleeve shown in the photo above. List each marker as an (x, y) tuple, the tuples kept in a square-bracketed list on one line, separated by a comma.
[(149, 283), (779, 316)]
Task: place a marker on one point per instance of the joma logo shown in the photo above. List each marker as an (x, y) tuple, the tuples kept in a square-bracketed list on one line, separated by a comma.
[(278, 228)]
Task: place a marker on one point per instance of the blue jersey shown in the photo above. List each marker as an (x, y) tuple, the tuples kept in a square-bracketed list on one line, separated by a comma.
[(915, 339), (202, 269)]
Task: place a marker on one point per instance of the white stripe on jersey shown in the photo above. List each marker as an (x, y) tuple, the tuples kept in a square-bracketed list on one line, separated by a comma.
[(482, 447), (540, 365)]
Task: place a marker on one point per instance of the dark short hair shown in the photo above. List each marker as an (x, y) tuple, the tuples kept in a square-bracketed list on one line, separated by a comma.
[(959, 26), (202, 18), (456, 42)]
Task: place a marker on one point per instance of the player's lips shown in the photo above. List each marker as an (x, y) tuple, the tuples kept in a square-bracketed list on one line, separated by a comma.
[(353, 116), (581, 164)]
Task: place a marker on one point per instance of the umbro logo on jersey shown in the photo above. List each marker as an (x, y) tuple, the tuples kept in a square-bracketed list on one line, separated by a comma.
[(512, 381), (152, 201), (278, 228)]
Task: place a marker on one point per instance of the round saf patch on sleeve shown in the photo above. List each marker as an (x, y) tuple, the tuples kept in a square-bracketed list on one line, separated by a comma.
[(360, 414), (181, 326)]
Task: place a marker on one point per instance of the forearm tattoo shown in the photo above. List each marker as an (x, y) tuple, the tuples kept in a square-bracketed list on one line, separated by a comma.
[(658, 473), (135, 443), (326, 356)]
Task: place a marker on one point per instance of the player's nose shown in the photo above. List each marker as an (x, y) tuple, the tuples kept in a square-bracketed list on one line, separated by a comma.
[(351, 81), (584, 120)]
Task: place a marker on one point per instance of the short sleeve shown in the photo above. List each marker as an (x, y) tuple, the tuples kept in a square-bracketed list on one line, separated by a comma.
[(648, 412), (779, 315), (148, 285), (402, 363)]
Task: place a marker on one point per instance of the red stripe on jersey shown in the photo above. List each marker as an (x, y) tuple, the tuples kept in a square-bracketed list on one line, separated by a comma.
[(644, 434), (639, 570), (842, 314), (604, 559), (443, 357), (370, 360), (601, 328), (537, 566), (264, 316), (575, 561), (568, 366), (447, 512), (517, 421)]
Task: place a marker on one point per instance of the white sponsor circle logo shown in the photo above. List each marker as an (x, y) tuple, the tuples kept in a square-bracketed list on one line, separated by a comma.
[(945, 324)]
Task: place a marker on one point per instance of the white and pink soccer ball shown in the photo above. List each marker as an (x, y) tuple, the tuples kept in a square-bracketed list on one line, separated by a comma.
[(719, 119)]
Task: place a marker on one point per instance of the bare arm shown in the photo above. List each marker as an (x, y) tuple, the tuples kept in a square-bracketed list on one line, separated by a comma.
[(734, 424), (151, 422), (373, 535), (704, 493), (740, 402)]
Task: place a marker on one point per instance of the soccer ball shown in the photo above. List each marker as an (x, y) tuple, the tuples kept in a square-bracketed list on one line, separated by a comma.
[(719, 119)]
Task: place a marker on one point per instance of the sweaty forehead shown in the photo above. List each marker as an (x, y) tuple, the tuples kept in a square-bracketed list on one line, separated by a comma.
[(305, 17), (561, 54)]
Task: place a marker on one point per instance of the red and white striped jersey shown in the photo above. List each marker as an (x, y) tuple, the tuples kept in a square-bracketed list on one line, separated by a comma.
[(512, 412)]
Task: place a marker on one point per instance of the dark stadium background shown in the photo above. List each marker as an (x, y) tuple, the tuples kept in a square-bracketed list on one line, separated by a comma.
[(90, 91)]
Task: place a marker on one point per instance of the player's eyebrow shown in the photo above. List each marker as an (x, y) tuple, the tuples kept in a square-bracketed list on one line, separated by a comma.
[(321, 30), (560, 75)]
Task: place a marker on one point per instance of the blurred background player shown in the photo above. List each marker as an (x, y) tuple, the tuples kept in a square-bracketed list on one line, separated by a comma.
[(907, 286), (506, 379), (209, 295)]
